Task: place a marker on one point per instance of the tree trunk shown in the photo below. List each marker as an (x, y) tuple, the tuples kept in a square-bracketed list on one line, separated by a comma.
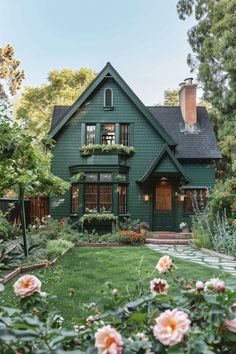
[(22, 217)]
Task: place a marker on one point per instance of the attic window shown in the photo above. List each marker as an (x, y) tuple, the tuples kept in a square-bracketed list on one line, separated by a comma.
[(108, 98)]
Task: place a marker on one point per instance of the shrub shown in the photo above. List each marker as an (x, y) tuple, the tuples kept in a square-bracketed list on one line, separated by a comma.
[(56, 247), (110, 238), (131, 237), (7, 230), (129, 224)]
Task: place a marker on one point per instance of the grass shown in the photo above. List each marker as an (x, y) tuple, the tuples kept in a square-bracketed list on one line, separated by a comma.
[(86, 270)]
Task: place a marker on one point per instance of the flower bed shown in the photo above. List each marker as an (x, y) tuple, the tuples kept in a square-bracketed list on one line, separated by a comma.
[(131, 237)]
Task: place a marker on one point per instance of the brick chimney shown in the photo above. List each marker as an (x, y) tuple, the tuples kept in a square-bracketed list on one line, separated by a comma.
[(188, 105)]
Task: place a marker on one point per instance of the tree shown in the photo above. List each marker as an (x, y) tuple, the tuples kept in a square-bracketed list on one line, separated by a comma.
[(213, 42), (171, 98), (23, 163), (63, 88)]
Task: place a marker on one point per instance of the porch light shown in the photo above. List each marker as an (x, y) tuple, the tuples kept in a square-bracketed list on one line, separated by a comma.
[(146, 197)]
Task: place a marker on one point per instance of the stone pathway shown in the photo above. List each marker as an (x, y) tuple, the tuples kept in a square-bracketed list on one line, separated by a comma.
[(196, 256)]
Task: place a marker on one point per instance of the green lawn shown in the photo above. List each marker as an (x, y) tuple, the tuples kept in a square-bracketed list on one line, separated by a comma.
[(87, 269)]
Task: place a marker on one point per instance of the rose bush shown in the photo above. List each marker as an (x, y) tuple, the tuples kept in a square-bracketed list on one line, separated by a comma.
[(200, 318), (131, 237)]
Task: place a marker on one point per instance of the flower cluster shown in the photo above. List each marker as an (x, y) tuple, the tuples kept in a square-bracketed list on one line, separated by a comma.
[(214, 284), (131, 237)]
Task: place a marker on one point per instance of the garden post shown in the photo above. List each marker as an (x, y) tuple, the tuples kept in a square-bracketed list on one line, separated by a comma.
[(22, 217)]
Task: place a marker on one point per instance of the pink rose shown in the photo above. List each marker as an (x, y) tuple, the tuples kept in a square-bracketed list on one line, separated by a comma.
[(231, 324), (108, 341), (159, 286), (199, 285), (215, 284), (171, 327), (27, 285), (164, 264)]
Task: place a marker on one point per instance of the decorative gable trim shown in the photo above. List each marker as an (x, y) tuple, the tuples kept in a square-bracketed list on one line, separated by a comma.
[(156, 161), (109, 71)]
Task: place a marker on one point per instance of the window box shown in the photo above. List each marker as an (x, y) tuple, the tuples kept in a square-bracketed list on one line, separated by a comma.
[(88, 150), (97, 219)]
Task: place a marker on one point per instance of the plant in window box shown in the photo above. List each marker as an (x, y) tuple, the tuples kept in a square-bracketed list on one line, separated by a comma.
[(97, 218), (87, 150), (144, 228), (184, 227)]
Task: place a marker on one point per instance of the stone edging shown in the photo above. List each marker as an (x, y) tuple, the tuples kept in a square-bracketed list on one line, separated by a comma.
[(25, 269), (214, 253)]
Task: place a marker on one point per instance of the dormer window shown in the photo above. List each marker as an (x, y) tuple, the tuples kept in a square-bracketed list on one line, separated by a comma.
[(108, 98)]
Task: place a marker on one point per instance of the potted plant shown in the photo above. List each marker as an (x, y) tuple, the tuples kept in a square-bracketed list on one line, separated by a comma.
[(144, 228), (184, 227)]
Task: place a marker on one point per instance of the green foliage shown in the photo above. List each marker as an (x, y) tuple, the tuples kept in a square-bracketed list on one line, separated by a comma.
[(77, 177), (201, 236), (56, 247), (36, 103), (90, 218), (110, 238), (90, 149), (171, 98), (212, 40), (9, 256), (7, 230), (129, 224)]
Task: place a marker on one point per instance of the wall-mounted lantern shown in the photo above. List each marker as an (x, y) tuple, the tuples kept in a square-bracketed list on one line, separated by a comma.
[(146, 197)]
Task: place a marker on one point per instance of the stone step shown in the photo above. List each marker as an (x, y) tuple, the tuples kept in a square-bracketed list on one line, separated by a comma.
[(167, 241)]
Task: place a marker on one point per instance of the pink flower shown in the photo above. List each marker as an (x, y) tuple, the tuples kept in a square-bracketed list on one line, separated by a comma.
[(215, 284), (171, 327), (231, 324), (159, 286), (108, 341), (199, 285), (27, 285), (164, 264)]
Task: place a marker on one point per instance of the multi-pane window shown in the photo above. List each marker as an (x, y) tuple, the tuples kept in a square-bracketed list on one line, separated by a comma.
[(105, 177), (91, 198), (122, 200), (91, 177), (108, 98), (98, 198), (195, 199), (125, 134), (108, 134), (74, 199), (90, 134)]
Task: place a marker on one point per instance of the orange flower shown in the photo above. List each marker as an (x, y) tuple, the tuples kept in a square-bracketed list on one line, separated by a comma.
[(108, 341)]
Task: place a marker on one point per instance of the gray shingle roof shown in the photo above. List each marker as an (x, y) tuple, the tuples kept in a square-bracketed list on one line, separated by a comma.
[(190, 146)]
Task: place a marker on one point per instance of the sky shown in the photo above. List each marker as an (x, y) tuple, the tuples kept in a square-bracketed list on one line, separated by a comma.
[(143, 39)]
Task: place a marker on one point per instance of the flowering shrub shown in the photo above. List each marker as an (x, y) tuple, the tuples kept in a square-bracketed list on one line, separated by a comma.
[(200, 318), (131, 237)]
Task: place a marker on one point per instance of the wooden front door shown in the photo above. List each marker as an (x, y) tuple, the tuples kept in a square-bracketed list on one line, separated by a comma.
[(163, 208)]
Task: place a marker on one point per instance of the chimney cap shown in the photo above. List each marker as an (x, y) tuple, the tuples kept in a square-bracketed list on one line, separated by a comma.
[(182, 83), (188, 80)]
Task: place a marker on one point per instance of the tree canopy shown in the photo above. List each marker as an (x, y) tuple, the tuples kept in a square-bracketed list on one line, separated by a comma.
[(63, 88), (213, 42)]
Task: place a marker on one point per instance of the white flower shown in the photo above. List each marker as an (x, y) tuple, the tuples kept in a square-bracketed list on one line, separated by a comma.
[(43, 294), (215, 284), (199, 285)]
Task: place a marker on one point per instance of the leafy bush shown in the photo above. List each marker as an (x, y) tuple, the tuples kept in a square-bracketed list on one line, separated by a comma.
[(56, 247), (223, 199), (224, 236), (7, 230), (110, 238), (129, 224), (131, 237), (199, 318), (201, 235), (89, 236)]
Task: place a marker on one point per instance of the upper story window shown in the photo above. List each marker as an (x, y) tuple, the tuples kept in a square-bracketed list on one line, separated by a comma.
[(108, 98), (108, 134), (125, 134), (90, 134)]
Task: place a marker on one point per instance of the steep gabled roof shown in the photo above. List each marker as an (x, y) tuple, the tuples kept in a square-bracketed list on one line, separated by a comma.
[(202, 145), (109, 71), (157, 160)]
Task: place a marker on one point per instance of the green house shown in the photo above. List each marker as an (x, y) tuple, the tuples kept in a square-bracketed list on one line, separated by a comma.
[(127, 159)]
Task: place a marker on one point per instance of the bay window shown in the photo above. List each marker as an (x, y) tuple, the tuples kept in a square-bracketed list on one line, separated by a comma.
[(98, 198)]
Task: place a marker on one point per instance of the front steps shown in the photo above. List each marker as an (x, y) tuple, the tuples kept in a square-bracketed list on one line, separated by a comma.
[(168, 238)]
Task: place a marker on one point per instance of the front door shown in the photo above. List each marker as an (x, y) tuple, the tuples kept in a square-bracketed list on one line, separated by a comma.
[(163, 208)]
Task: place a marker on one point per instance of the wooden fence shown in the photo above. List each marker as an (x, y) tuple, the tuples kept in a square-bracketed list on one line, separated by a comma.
[(34, 208)]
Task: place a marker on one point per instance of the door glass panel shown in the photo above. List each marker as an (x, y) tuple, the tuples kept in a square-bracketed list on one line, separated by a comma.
[(163, 200)]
